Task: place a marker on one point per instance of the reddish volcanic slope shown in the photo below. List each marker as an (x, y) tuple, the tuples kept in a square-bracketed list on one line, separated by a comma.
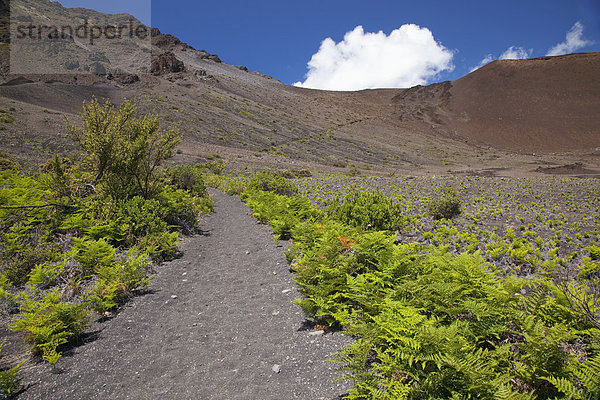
[(548, 104)]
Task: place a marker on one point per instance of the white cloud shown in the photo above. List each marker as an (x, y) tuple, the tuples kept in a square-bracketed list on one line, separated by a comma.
[(515, 53), (486, 60), (409, 56), (512, 53), (574, 41)]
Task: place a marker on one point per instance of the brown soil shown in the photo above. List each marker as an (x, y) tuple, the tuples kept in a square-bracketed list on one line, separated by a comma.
[(547, 104)]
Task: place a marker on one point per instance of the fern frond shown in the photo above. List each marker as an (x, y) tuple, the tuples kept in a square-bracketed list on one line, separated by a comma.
[(505, 392), (589, 376), (564, 386)]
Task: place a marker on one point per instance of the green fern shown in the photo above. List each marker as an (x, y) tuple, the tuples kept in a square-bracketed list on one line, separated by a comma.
[(10, 380), (431, 325), (49, 323)]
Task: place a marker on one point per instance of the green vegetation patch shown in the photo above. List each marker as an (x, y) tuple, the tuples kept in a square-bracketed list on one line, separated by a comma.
[(431, 324), (78, 237), (368, 210), (6, 118)]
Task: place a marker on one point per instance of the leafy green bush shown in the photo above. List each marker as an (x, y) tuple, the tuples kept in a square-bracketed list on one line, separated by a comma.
[(594, 252), (160, 246), (188, 178), (121, 150), (353, 171), (27, 222), (588, 270), (271, 182), (216, 167), (45, 275), (447, 206), (148, 222), (6, 118), (10, 381), (225, 184), (368, 210), (180, 209), (140, 217), (6, 162), (281, 211), (296, 173), (92, 255)]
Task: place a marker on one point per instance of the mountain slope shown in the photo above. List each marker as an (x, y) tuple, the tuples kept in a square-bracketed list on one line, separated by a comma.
[(549, 104), (481, 124)]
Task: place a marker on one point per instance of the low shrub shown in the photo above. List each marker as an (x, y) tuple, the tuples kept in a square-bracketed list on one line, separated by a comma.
[(92, 255), (226, 184), (25, 232), (6, 162), (118, 281), (368, 210), (594, 252), (6, 118), (353, 171), (282, 212), (187, 177), (216, 167), (296, 173), (447, 206), (271, 182)]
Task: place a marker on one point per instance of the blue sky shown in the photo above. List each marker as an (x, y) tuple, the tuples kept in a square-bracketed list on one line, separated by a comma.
[(279, 38)]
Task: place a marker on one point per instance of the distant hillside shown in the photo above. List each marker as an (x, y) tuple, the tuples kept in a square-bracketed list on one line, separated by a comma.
[(483, 123), (549, 104)]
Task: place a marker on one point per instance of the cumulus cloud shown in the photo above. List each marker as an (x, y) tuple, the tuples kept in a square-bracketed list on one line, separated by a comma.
[(408, 56), (515, 53), (574, 41)]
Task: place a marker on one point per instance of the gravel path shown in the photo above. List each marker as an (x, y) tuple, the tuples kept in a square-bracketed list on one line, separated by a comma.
[(217, 324)]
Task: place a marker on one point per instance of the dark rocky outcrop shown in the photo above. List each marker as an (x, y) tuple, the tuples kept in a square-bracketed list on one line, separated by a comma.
[(97, 68), (127, 79), (166, 63), (170, 43), (166, 41)]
